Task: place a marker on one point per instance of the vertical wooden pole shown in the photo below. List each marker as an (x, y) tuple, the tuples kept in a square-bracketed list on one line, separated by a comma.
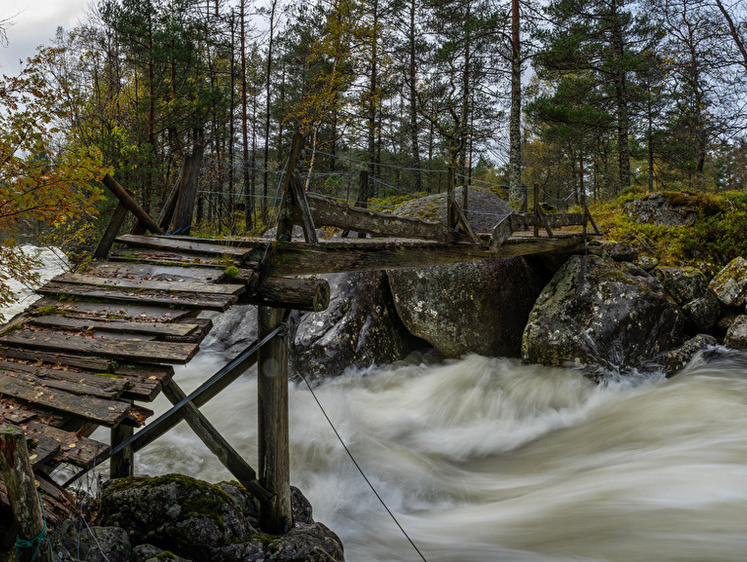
[(105, 244), (451, 218), (536, 209), (275, 515), (185, 203), (122, 464), (22, 494)]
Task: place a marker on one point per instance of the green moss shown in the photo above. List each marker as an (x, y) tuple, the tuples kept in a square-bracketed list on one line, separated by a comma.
[(12, 328), (166, 555), (46, 310), (231, 271), (120, 316), (108, 375)]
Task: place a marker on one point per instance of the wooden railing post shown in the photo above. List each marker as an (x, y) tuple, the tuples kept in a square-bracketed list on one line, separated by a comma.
[(272, 392), (23, 495), (537, 210), (122, 464)]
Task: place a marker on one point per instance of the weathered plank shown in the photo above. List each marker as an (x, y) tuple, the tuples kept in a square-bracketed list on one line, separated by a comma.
[(183, 246), (326, 212), (93, 363), (89, 383), (121, 350), (153, 272), (146, 380), (160, 257), (162, 329), (172, 298), (150, 285), (72, 448), (104, 412), (109, 392), (122, 311), (553, 220)]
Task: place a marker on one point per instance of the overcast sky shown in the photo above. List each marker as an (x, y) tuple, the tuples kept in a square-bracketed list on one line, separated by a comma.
[(36, 22)]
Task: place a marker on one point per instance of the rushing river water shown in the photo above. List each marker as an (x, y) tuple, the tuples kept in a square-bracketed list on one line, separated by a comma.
[(486, 459)]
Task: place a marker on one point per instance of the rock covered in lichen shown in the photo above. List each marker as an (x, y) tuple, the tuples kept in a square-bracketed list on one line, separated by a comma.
[(72, 540), (201, 521), (675, 360), (730, 284), (478, 307), (670, 208), (736, 335), (598, 312)]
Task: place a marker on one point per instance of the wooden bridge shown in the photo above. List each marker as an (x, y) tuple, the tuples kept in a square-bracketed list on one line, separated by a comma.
[(98, 346)]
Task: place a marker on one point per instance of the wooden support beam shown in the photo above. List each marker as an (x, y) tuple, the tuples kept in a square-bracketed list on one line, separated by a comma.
[(111, 232), (301, 205), (122, 464), (23, 495), (275, 516), (283, 292), (285, 222), (217, 444), (362, 201), (462, 218), (131, 204), (191, 246), (501, 232), (188, 190)]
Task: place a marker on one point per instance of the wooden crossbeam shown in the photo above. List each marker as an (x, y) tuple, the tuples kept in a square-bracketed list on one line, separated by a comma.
[(185, 246)]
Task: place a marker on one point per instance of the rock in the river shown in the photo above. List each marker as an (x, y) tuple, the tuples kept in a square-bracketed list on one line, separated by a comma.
[(676, 359), (477, 307), (736, 336), (201, 521), (598, 312), (682, 284), (73, 540), (360, 328), (730, 284), (670, 208), (232, 330)]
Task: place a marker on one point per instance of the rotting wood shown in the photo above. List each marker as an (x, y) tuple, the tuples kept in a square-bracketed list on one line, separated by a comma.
[(149, 284), (206, 301), (120, 350), (501, 232), (361, 201), (74, 449), (103, 310), (301, 206), (153, 272), (287, 204), (81, 361), (188, 189), (24, 498), (105, 387), (275, 515), (331, 213), (122, 464), (111, 232), (131, 204), (104, 412), (296, 294), (214, 441), (188, 247), (110, 392), (161, 329), (156, 257)]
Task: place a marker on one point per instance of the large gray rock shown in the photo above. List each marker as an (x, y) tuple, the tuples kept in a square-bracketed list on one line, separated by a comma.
[(201, 521), (669, 208), (730, 284), (677, 359), (232, 330), (597, 312), (736, 335), (683, 284), (477, 307), (74, 540), (360, 328)]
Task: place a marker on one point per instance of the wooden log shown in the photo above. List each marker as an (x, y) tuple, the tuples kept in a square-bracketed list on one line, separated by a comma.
[(167, 212), (184, 246), (188, 190), (157, 297), (24, 498), (554, 220), (296, 294), (150, 285), (131, 204), (331, 213), (111, 232), (120, 350), (122, 464), (287, 205), (214, 441), (275, 515)]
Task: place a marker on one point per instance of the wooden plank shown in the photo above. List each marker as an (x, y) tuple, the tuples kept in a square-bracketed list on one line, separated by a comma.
[(301, 204), (162, 329), (93, 363), (146, 380), (73, 448), (104, 412), (90, 383), (109, 392), (42, 449), (161, 257), (171, 298), (501, 232), (154, 272), (554, 220), (183, 246), (326, 212), (303, 259), (121, 350), (122, 311), (150, 285)]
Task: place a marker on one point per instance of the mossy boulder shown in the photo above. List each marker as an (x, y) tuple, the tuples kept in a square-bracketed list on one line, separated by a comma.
[(675, 360), (596, 312), (71, 543), (200, 521), (736, 335), (730, 284), (670, 208), (478, 307), (689, 288)]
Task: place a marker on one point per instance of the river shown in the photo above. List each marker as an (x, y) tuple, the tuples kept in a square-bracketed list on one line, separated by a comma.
[(485, 459)]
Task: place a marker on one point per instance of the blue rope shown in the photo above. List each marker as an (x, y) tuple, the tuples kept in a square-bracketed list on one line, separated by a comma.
[(38, 539), (179, 230)]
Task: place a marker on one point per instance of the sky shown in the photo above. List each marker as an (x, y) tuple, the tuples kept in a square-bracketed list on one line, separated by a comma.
[(36, 23)]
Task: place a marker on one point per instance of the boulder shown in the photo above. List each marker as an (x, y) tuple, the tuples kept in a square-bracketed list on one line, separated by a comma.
[(477, 307), (730, 284), (360, 328), (675, 360), (670, 208), (596, 312), (232, 330), (178, 516), (73, 540), (736, 335), (682, 284), (702, 314)]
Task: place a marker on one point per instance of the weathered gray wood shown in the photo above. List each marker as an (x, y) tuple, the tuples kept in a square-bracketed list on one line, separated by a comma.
[(301, 205), (296, 294), (188, 189), (287, 205), (184, 246), (106, 387), (73, 448), (81, 361), (591, 220), (161, 257), (111, 232), (462, 218), (121, 350), (272, 392), (154, 272), (167, 212), (554, 220), (102, 310), (162, 329), (79, 386), (326, 212), (131, 204), (122, 465), (24, 499), (170, 298), (214, 441), (104, 412), (501, 232), (150, 285)]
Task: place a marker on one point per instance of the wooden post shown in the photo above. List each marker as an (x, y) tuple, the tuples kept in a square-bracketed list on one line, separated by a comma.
[(105, 244), (451, 218), (535, 195), (285, 225), (188, 190), (22, 494), (275, 516), (122, 464)]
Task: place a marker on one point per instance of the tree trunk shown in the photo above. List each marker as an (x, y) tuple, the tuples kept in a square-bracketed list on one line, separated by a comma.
[(514, 165)]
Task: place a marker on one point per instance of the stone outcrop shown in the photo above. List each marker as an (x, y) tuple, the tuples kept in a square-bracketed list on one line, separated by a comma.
[(478, 307), (675, 360), (598, 312), (198, 521), (669, 208), (689, 288), (730, 284), (360, 328)]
